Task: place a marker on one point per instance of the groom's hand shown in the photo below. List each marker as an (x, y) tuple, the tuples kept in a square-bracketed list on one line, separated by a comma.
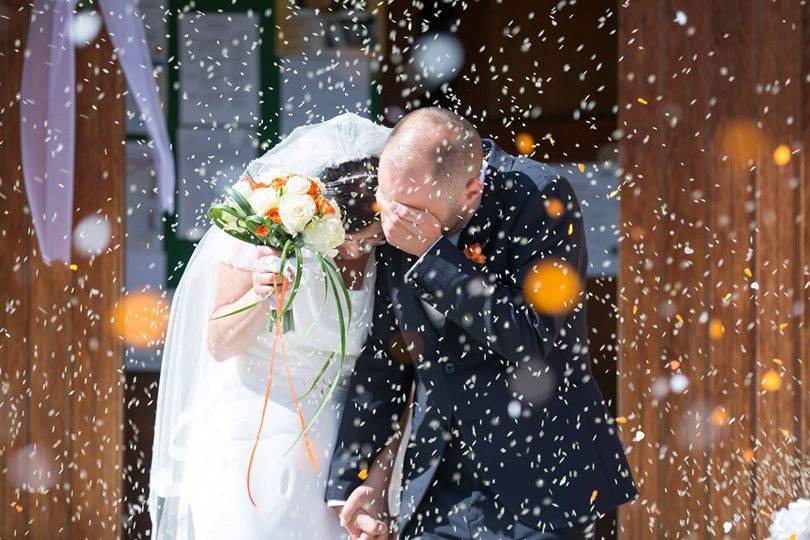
[(364, 516), (409, 229)]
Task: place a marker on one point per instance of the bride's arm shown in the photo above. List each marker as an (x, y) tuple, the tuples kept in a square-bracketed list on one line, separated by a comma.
[(237, 288)]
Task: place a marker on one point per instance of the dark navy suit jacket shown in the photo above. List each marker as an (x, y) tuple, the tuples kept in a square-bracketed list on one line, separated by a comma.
[(516, 385)]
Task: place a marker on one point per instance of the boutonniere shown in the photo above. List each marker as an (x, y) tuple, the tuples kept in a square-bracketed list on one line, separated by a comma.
[(475, 253)]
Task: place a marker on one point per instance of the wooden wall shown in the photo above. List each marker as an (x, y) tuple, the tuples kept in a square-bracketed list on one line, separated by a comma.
[(715, 262), (60, 362)]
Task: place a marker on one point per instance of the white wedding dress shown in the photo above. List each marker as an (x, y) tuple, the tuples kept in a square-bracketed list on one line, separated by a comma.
[(287, 488), (208, 411)]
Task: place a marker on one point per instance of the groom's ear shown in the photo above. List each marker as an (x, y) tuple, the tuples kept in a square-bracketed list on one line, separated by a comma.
[(472, 190)]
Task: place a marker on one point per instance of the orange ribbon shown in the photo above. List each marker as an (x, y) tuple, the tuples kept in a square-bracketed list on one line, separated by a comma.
[(277, 330)]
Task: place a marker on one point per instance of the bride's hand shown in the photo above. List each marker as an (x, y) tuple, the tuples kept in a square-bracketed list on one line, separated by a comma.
[(364, 515), (266, 279)]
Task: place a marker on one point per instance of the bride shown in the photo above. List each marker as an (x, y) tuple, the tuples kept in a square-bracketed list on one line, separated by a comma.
[(214, 372)]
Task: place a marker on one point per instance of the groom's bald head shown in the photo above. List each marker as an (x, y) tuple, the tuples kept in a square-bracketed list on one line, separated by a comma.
[(431, 160), (439, 142)]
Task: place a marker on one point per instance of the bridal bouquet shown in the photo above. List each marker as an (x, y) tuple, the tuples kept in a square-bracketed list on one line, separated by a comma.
[(290, 213)]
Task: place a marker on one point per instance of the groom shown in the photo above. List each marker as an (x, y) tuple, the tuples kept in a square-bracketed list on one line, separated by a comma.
[(510, 436)]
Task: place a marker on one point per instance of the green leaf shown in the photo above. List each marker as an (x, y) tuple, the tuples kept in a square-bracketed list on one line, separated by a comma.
[(240, 200), (240, 310)]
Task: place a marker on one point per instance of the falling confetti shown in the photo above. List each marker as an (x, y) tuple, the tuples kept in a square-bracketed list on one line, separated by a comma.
[(524, 142), (552, 287), (781, 155), (771, 381), (141, 319)]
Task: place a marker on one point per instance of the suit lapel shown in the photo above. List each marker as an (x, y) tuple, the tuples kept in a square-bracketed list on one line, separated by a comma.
[(411, 315), (482, 225)]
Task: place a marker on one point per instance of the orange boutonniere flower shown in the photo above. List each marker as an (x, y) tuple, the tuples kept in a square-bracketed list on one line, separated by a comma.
[(262, 230), (475, 253)]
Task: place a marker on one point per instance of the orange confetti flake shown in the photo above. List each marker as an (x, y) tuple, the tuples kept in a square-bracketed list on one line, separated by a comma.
[(74, 267), (524, 142), (748, 455), (674, 365), (581, 167), (781, 155), (363, 474), (552, 287), (777, 361), (783, 325), (642, 101), (679, 318), (720, 416), (570, 229), (748, 272), (716, 329), (554, 208), (18, 508), (771, 381), (594, 495), (621, 420), (635, 309)]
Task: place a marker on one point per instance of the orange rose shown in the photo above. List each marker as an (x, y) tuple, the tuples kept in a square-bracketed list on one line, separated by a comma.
[(475, 253), (273, 215), (324, 207), (278, 183), (314, 190), (262, 230), (251, 183)]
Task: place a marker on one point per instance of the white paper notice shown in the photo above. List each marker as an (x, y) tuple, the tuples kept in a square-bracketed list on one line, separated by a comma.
[(145, 257), (208, 161), (316, 88), (154, 17), (219, 68)]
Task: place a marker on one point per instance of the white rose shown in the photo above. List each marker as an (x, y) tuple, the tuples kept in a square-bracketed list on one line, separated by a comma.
[(242, 187), (793, 520), (295, 212), (296, 185), (263, 199), (325, 234)]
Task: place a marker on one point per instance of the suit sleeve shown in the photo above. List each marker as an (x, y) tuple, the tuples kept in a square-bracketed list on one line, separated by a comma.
[(492, 309), (376, 396)]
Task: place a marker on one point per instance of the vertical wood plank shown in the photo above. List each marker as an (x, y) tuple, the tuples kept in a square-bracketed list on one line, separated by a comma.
[(776, 455), (683, 216), (640, 53), (734, 134), (804, 262), (60, 393), (16, 238), (98, 352)]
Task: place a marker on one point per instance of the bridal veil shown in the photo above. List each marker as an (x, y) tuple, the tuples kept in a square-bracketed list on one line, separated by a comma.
[(188, 372)]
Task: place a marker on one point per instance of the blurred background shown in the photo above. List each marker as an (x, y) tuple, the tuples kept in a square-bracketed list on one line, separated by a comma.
[(681, 124)]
